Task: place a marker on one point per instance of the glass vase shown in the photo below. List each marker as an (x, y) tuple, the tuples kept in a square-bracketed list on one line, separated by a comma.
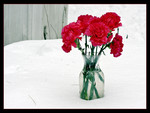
[(91, 79)]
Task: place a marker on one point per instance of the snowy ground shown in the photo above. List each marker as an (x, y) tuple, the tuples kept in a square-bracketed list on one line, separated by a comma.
[(39, 74)]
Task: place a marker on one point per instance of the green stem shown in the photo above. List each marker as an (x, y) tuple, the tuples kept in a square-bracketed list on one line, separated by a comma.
[(92, 50), (79, 46), (93, 88), (100, 77), (96, 92), (84, 90), (118, 30), (102, 49), (96, 51), (85, 44), (91, 91)]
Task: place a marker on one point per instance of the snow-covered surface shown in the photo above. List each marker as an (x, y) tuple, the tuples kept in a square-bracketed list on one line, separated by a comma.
[(39, 74)]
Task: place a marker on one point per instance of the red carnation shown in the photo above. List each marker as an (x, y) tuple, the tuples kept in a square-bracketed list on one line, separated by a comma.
[(69, 34), (98, 32), (111, 19), (110, 37), (116, 46), (66, 48), (95, 19), (83, 22)]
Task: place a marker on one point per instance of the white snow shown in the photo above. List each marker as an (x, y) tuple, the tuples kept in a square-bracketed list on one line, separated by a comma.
[(38, 74)]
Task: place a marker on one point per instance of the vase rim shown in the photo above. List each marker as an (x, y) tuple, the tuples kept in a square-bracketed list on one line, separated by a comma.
[(88, 56)]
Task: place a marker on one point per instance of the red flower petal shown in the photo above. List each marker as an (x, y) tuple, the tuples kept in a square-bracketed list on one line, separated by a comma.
[(66, 48), (98, 32), (116, 46), (69, 34), (111, 19)]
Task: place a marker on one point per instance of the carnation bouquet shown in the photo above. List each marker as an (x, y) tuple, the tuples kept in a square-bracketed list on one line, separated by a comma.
[(97, 35)]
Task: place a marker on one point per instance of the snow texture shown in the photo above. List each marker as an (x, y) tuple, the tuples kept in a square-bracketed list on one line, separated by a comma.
[(38, 74)]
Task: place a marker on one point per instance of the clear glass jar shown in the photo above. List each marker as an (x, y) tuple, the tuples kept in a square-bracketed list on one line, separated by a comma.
[(91, 79)]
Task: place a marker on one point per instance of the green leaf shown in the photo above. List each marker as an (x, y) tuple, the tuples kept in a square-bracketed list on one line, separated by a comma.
[(88, 46), (118, 30), (84, 91), (127, 37), (100, 77), (108, 45), (78, 43), (91, 91), (96, 92), (108, 35), (104, 53)]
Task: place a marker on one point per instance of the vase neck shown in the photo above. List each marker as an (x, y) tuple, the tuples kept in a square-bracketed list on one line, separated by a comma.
[(90, 62)]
